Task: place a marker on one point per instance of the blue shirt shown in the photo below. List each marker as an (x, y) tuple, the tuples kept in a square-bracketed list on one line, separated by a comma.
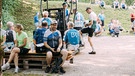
[(72, 37), (36, 18), (79, 20), (101, 17), (48, 20), (39, 35), (52, 38)]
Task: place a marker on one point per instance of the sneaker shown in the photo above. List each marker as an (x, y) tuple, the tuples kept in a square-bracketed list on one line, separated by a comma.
[(93, 52), (16, 70), (62, 70), (5, 67), (75, 52), (81, 45), (47, 70), (71, 61)]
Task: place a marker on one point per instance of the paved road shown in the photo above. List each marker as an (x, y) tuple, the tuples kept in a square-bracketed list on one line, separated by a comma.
[(115, 57)]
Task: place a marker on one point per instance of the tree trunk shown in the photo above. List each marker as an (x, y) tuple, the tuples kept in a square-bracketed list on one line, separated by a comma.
[(1, 51)]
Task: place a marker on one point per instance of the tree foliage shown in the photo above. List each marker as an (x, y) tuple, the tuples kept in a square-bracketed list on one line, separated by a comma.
[(8, 9)]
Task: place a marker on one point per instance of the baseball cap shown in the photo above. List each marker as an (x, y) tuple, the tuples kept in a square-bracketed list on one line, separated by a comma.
[(54, 22)]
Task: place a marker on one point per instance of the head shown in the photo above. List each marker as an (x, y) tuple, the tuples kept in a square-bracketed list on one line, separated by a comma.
[(45, 14), (64, 5), (18, 27), (10, 25), (44, 24), (53, 25), (88, 10), (70, 25), (74, 10)]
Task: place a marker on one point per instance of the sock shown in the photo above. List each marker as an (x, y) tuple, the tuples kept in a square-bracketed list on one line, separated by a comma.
[(16, 67), (7, 63), (92, 48)]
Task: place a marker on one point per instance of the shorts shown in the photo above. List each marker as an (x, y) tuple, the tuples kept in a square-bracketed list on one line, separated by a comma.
[(24, 50), (54, 53), (88, 30), (132, 20), (78, 28), (116, 6), (102, 22), (10, 45), (72, 47), (40, 49)]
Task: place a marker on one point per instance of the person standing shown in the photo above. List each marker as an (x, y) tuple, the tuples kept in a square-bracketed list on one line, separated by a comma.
[(90, 28), (36, 20)]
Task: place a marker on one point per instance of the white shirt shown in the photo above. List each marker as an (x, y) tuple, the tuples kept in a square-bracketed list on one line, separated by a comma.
[(93, 16)]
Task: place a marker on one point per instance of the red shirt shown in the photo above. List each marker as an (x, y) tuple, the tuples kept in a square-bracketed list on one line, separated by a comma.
[(132, 16)]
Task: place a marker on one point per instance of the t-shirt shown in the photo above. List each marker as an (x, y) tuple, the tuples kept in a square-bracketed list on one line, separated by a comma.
[(72, 37), (116, 3), (79, 20), (39, 35), (101, 17), (52, 38), (20, 39), (93, 16), (48, 20)]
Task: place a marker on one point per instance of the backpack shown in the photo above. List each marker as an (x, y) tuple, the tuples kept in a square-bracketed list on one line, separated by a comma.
[(9, 36)]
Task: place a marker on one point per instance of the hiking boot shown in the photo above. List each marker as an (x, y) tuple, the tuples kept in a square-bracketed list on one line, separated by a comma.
[(71, 61), (93, 52), (47, 70), (5, 67), (16, 70), (62, 70)]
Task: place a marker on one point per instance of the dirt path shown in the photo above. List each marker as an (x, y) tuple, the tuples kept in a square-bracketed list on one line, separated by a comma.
[(115, 57)]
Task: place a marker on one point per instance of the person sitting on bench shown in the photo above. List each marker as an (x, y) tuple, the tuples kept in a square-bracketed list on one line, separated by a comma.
[(38, 38), (72, 39), (53, 43), (22, 47)]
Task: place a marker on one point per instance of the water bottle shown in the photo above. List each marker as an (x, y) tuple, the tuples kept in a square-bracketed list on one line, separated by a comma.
[(32, 46)]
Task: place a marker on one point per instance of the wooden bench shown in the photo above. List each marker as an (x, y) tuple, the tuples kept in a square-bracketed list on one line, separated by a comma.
[(30, 60)]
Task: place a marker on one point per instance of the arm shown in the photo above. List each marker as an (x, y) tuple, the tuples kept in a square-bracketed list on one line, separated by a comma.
[(24, 42), (47, 46)]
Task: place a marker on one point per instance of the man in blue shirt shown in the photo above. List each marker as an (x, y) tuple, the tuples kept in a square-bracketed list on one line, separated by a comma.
[(46, 18), (38, 38), (72, 39), (79, 20), (66, 10), (53, 43), (36, 21)]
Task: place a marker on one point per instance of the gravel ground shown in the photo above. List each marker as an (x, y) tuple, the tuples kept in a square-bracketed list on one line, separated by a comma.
[(115, 57)]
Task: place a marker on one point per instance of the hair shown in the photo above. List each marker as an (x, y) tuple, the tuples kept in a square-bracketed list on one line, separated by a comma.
[(88, 8), (71, 24), (10, 24), (44, 23), (45, 12), (74, 9), (19, 26)]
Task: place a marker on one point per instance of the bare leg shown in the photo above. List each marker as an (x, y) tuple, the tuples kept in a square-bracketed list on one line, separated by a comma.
[(49, 58), (64, 55), (12, 55), (16, 60)]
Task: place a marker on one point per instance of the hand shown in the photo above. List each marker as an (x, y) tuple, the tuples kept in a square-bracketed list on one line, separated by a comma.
[(52, 49), (58, 49)]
